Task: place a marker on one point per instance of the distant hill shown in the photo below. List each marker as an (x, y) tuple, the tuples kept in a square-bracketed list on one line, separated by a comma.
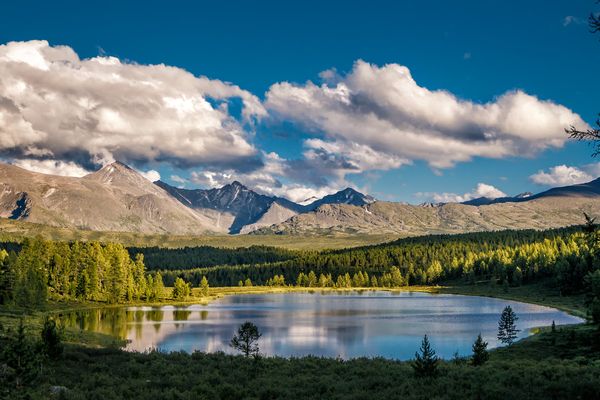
[(115, 198), (241, 210), (404, 219), (482, 201), (589, 190)]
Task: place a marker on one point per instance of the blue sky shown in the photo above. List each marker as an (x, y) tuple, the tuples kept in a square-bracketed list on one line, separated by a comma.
[(475, 50)]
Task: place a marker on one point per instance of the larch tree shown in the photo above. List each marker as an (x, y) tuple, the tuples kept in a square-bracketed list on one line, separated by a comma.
[(204, 287)]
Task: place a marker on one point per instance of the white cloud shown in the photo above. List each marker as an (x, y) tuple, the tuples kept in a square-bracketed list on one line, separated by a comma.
[(570, 19), (52, 167), (482, 190), (385, 110), (178, 179), (563, 175), (151, 175), (54, 105)]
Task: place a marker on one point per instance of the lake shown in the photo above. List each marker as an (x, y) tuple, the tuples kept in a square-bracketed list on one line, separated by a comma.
[(332, 324)]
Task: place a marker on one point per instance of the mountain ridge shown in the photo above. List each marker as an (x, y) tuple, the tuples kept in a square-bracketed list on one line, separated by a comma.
[(117, 197)]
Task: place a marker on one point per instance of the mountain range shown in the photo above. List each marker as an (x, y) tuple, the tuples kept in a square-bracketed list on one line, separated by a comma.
[(118, 198)]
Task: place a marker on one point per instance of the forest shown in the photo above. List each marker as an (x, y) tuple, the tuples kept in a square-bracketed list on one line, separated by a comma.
[(566, 259), (558, 362), (89, 271)]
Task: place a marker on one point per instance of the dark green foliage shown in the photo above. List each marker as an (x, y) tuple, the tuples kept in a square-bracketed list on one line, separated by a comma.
[(426, 363), (112, 374), (19, 358), (480, 353), (51, 339), (246, 339), (513, 258), (207, 256), (507, 328), (6, 275)]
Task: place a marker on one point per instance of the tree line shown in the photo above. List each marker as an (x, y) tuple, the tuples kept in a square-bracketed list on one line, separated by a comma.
[(508, 257), (92, 271)]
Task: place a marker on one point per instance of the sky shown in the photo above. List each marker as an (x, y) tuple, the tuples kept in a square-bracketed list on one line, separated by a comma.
[(406, 101)]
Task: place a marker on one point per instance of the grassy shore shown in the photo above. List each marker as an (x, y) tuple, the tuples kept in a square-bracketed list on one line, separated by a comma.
[(551, 364), (535, 294)]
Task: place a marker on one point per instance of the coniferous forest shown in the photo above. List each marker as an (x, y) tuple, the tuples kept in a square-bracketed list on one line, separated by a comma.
[(36, 274)]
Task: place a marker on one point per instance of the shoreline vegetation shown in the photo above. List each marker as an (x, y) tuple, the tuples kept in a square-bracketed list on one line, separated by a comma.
[(555, 268), (33, 319), (561, 362)]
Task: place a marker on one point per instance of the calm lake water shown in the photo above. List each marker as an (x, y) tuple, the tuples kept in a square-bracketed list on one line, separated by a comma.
[(347, 325)]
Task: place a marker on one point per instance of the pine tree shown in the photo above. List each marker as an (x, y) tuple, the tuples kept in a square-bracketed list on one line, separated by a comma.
[(19, 354), (204, 287), (51, 338), (246, 339), (425, 364), (6, 277), (480, 353), (507, 329)]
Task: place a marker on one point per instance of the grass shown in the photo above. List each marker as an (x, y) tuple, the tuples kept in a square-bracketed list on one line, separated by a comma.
[(11, 230), (560, 364), (564, 365), (536, 293)]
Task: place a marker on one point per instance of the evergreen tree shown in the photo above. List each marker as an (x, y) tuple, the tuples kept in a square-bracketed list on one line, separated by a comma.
[(246, 339), (51, 339), (204, 287), (426, 363), (181, 289), (507, 329), (19, 354), (158, 287), (6, 277), (480, 353)]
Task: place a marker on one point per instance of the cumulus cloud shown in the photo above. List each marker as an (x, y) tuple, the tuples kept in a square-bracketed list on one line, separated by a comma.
[(563, 175), (56, 106), (482, 190), (52, 167), (151, 175), (179, 179), (385, 110)]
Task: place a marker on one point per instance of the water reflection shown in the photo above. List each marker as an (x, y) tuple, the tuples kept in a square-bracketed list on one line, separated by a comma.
[(348, 324)]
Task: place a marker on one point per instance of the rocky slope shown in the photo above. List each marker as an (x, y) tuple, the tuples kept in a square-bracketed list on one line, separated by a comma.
[(386, 217), (115, 198), (239, 209)]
